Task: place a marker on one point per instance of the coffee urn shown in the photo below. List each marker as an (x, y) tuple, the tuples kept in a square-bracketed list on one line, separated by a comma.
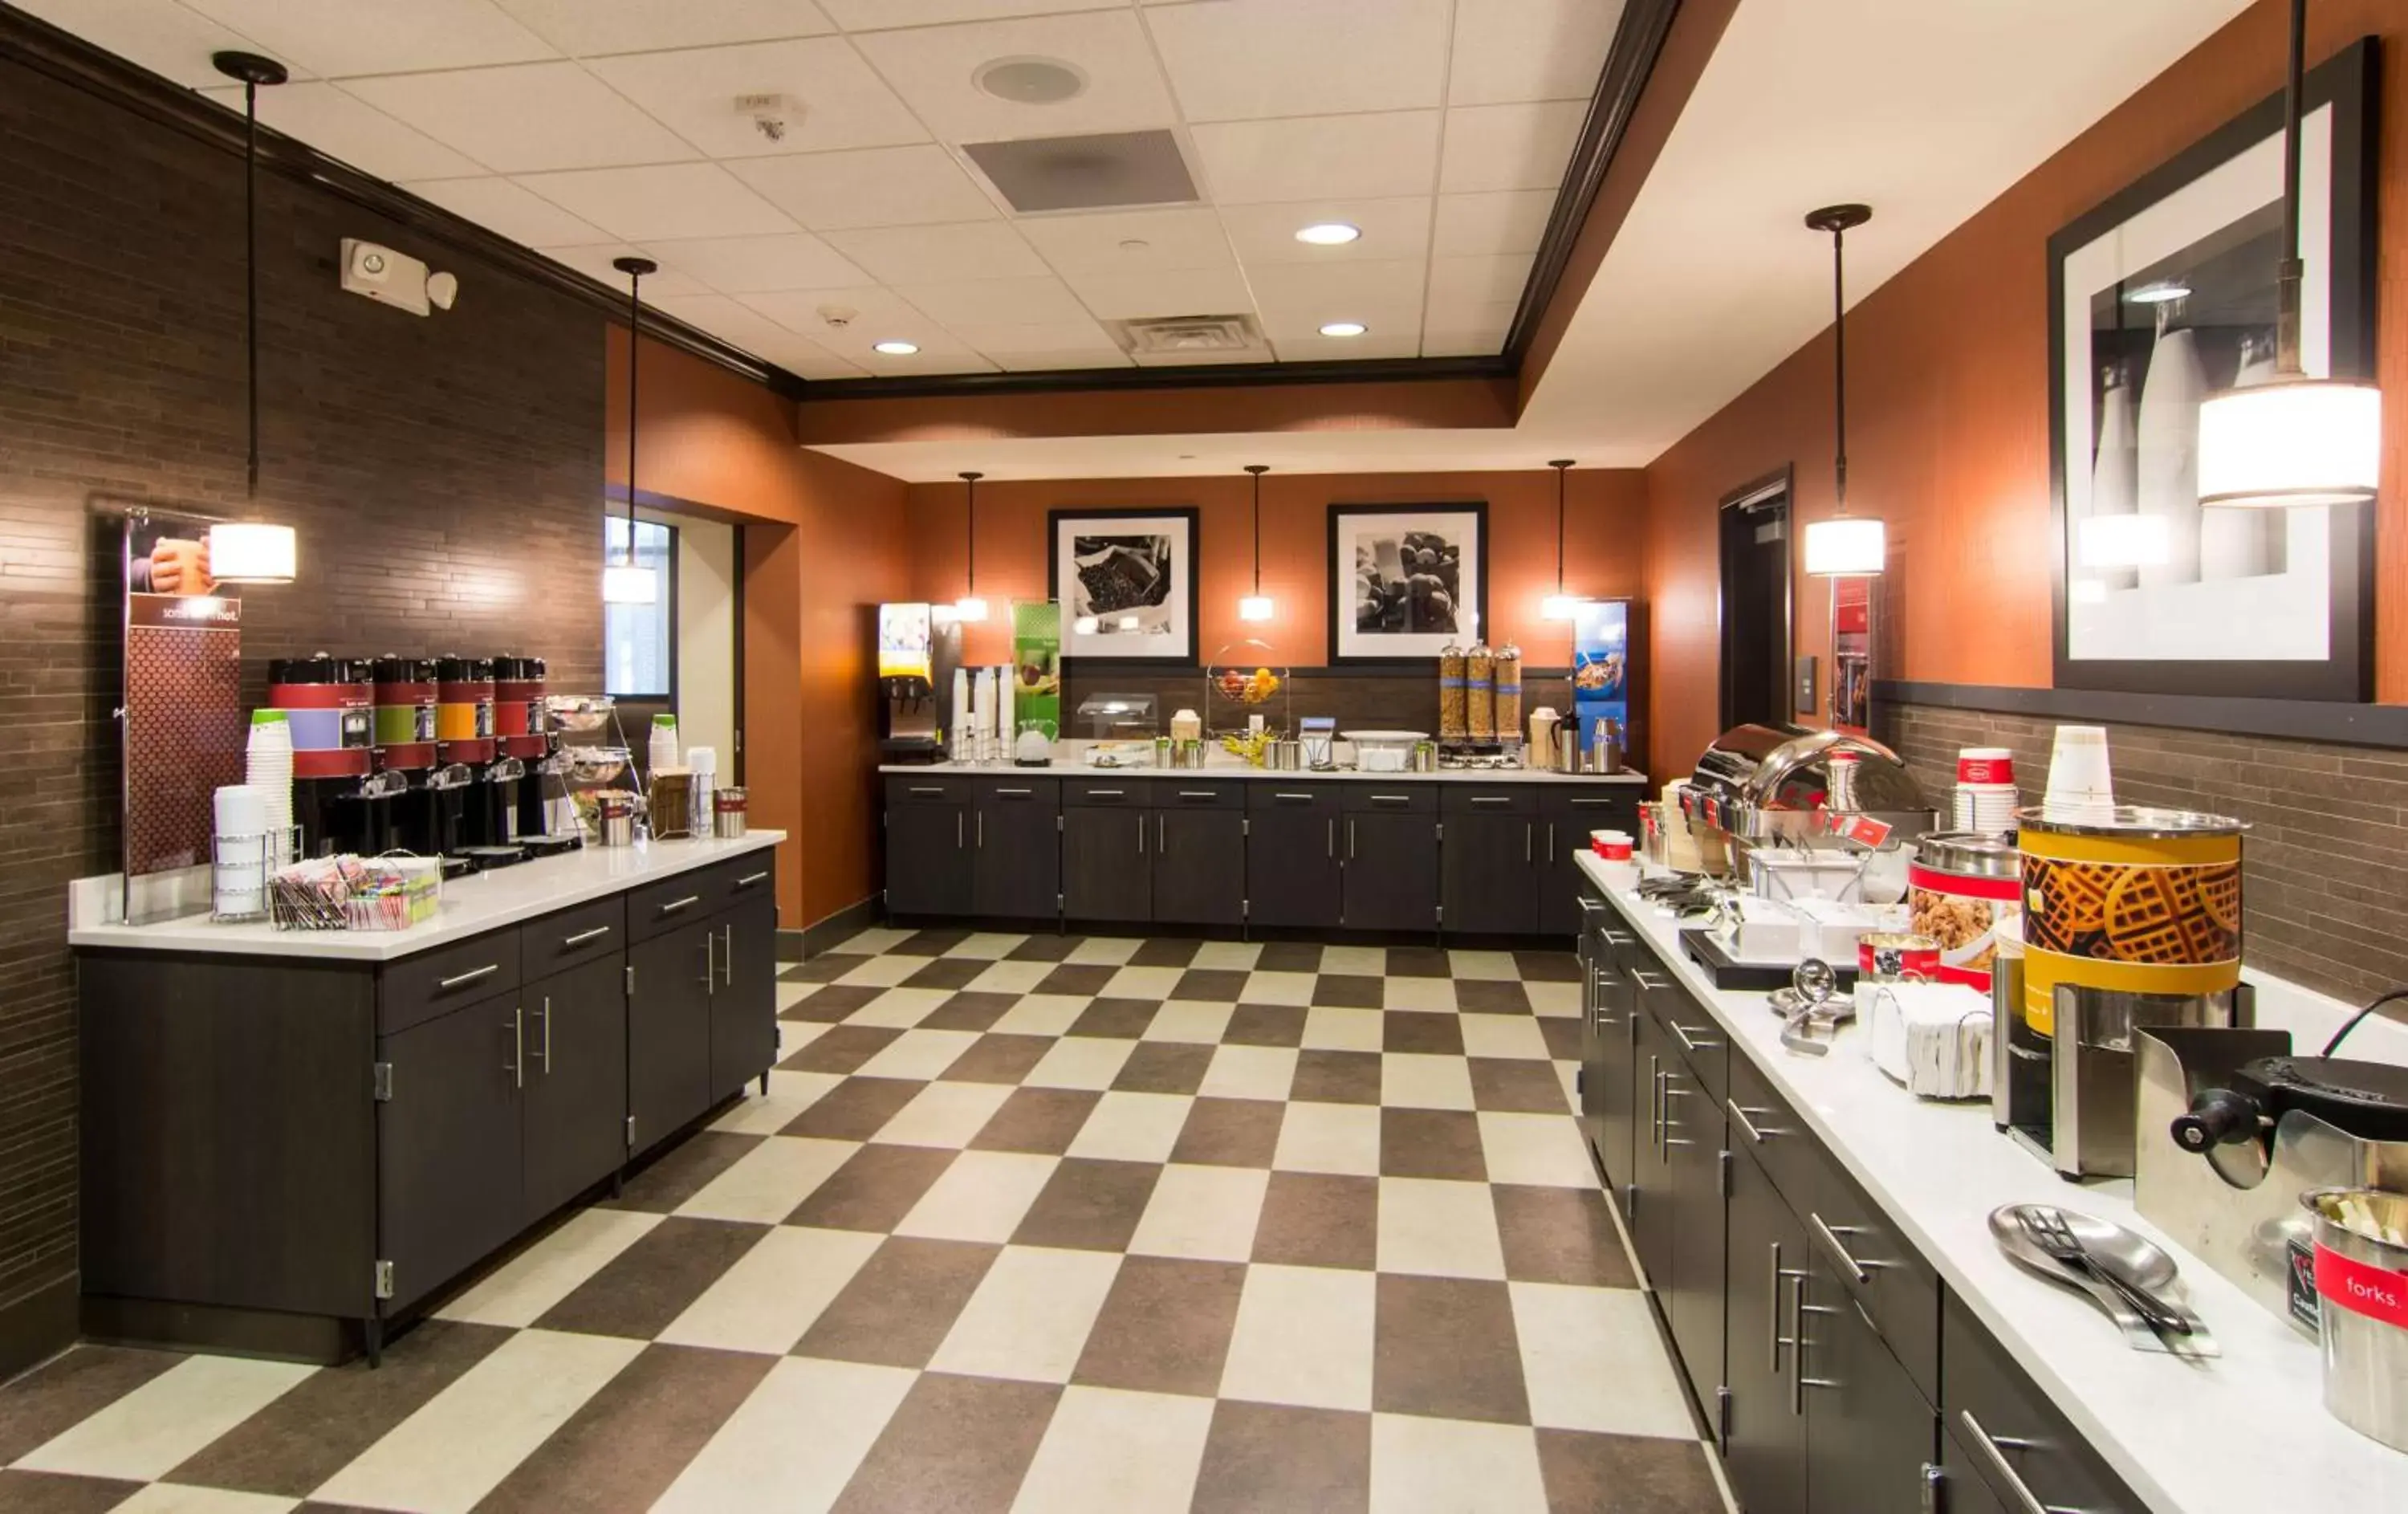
[(328, 704), (463, 738)]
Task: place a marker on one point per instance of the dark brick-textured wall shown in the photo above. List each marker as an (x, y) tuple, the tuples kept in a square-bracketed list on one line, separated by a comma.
[(444, 475)]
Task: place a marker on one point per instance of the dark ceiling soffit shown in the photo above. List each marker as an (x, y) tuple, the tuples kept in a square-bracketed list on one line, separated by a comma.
[(69, 59), (1194, 376)]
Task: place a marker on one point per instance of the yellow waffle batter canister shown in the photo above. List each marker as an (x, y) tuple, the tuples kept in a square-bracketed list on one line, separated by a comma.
[(2140, 901)]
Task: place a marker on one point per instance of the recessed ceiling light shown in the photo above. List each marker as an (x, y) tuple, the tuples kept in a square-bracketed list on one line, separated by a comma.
[(897, 349), (1343, 328), (1030, 80), (1329, 233), (2164, 291)]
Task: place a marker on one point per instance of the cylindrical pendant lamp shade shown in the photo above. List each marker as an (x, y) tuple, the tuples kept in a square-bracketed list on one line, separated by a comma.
[(1846, 546), (2314, 441), (630, 583), (246, 552)]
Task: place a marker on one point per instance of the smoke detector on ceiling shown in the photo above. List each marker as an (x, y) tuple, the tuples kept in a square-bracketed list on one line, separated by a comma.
[(1031, 81), (773, 115), (839, 316), (1175, 336)]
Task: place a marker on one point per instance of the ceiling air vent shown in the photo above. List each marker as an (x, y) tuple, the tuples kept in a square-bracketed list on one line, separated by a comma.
[(1086, 173), (1173, 335)]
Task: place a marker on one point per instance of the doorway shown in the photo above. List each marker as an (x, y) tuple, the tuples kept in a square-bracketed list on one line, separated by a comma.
[(1755, 589)]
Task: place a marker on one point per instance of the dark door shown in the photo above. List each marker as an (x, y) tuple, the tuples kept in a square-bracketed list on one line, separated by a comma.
[(1869, 1434), (1765, 1450), (1756, 603), (744, 1000), (1292, 868), (1199, 867), (1391, 871), (573, 1113), (448, 1145), (1614, 1073), (669, 1028), (1016, 853), (927, 847), (1108, 864), (1647, 1198), (1564, 826), (1489, 864), (1693, 1146)]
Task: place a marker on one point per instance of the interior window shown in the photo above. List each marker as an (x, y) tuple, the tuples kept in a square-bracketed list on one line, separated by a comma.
[(639, 640)]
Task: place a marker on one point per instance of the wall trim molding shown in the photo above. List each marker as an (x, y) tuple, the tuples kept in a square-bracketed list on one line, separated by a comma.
[(827, 932), (2382, 726), (1192, 376), (37, 1325)]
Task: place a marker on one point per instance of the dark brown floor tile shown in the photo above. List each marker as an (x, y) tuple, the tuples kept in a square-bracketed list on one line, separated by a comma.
[(1164, 1067), (1336, 1078), (1089, 1206), (1230, 1133), (1446, 1349), (1164, 1328), (1266, 1025), (1516, 1085), (681, 1172), (1269, 1456), (1042, 1120), (1117, 1019), (1320, 1219), (1560, 1235), (1483, 996), (1404, 1029), (1589, 1473), (954, 1445), (1547, 966), (1343, 990), (841, 1049), (1563, 1037), (1079, 980), (1043, 949), (55, 1492), (1211, 985), (928, 944), (822, 969), (1165, 951), (1289, 956), (1419, 962), (999, 1059), (313, 1431), (874, 1190), (626, 1444), (947, 972), (640, 1290), (972, 1011), (899, 1306), (855, 1109), (833, 1003), (1431, 1143), (69, 1389)]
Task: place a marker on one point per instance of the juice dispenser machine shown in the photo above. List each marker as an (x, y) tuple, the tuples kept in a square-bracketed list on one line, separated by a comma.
[(917, 654)]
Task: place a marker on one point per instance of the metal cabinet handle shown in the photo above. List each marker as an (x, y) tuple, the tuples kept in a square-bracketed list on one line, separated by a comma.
[(1140, 835), (1492, 799), (1993, 1449), (1529, 835), (518, 1046), (1619, 938), (1649, 981), (485, 971), (727, 955), (544, 1046), (1293, 799), (750, 878), (981, 830), (1198, 793), (1797, 1342), (690, 901), (1590, 908), (1655, 1103), (1860, 1271), (926, 789), (959, 822), (1700, 1042), (1392, 799), (1756, 1134), (1350, 840), (583, 936), (1105, 793), (1015, 793), (1161, 841), (1778, 1340), (1551, 841), (710, 958), (1333, 837)]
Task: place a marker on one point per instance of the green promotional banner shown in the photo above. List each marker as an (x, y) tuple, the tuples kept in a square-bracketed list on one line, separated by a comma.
[(1036, 663)]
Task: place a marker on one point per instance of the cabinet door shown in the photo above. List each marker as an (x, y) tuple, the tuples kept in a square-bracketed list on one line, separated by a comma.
[(1391, 881), (1648, 1195), (1199, 867), (1694, 1144), (1764, 1452), (668, 1030), (1292, 868), (744, 997), (1870, 1433), (927, 849), (573, 1113), (448, 1145), (1108, 864), (1016, 852), (1489, 864), (1962, 1480), (1620, 1111), (1565, 821)]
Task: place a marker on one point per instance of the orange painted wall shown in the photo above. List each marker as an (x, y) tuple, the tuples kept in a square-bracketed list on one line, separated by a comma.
[(1949, 406), (1604, 541)]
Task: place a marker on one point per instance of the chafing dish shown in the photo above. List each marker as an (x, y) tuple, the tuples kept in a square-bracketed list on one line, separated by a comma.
[(1782, 783)]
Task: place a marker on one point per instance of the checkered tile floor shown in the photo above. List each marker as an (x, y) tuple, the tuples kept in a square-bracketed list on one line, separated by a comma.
[(1029, 1223)]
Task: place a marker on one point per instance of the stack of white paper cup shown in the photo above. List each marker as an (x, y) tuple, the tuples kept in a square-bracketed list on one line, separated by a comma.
[(267, 766), (238, 880), (703, 761), (2079, 786)]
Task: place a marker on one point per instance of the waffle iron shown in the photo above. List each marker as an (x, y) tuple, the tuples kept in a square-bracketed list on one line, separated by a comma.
[(2366, 1100)]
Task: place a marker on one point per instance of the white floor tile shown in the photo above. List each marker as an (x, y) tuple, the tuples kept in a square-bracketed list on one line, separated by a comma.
[(1439, 1229), (1205, 1213), (764, 1184), (988, 946), (1330, 1138), (1304, 1336), (900, 1009), (1080, 1062), (1448, 1466), (1133, 1127), (792, 1445), (1250, 1073), (791, 994), (1142, 983), (1040, 1014), (793, 1035), (1356, 961), (945, 1115), (1012, 977), (178, 1498), (1413, 1080), (1228, 956), (920, 1054), (1186, 1019), (1492, 966), (1279, 989), (1556, 1000), (549, 1271), (883, 971), (466, 1438), (151, 1431), (774, 1292), (1434, 995), (869, 943), (790, 1094), (1593, 1361), (1503, 1036), (1030, 1315), (1108, 1451), (1104, 951), (1342, 1030), (981, 1197), (1543, 1150)]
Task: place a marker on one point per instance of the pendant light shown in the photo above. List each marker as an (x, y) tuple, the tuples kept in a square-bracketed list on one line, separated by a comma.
[(1846, 545), (627, 582), (970, 606), (1559, 605), (1257, 605), (250, 551), (2293, 440)]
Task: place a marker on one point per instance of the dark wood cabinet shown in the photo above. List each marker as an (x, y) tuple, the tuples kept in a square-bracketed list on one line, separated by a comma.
[(1963, 1487), (927, 853), (2006, 1436), (744, 996), (1764, 1440), (1293, 872), (1565, 821), (1692, 1294), (448, 1143), (1199, 866), (1488, 863), (1609, 1048), (1647, 1192), (1870, 1433), (1015, 849), (573, 1122), (1107, 864), (1391, 874), (668, 1030)]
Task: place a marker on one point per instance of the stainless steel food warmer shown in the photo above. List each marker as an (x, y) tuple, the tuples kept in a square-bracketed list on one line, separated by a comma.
[(1779, 783)]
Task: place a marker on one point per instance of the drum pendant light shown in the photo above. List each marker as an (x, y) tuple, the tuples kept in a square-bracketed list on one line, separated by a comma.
[(627, 582), (1257, 605), (250, 551), (970, 606), (2293, 439), (1846, 545), (1559, 605)]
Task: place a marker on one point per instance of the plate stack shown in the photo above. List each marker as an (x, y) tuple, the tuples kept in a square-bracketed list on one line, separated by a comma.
[(1985, 789)]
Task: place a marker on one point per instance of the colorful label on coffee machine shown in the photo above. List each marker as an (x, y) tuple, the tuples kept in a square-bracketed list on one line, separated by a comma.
[(1602, 667), (1037, 662)]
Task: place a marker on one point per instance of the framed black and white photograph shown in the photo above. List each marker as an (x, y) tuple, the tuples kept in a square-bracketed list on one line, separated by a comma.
[(1405, 579), (2159, 299), (1126, 579)]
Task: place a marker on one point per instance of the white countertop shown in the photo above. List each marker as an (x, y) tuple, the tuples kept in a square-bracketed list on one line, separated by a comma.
[(2244, 1430), (480, 903), (1222, 765)]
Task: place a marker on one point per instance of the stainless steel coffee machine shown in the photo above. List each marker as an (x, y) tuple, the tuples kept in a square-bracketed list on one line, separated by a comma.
[(918, 650)]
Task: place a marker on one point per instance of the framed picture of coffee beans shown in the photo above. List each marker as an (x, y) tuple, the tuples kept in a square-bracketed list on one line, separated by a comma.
[(1126, 579)]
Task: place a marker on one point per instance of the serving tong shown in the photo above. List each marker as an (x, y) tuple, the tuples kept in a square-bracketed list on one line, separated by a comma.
[(2133, 1282), (1811, 1014)]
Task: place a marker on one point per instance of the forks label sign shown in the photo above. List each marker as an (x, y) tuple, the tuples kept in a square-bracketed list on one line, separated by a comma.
[(2373, 1291)]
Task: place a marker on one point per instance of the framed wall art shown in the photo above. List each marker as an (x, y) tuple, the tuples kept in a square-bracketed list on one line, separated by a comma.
[(1405, 579), (2158, 299), (1126, 581)]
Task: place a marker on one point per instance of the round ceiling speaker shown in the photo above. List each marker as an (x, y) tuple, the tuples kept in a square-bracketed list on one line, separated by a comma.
[(1030, 80)]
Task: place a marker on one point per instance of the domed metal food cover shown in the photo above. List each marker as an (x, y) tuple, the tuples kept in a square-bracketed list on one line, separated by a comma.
[(1761, 780)]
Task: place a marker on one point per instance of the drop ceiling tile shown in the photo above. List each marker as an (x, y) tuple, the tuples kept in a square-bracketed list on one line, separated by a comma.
[(1022, 302), (341, 126), (1001, 336), (1463, 330), (874, 15), (1287, 320), (498, 205), (756, 265), (669, 199), (594, 261), (1392, 229), (1059, 361), (1478, 281), (340, 40), (1099, 242), (932, 255), (169, 40), (837, 101), (933, 69), (1192, 360), (583, 29), (1292, 294), (1242, 60), (885, 186), (1494, 222), (928, 363), (1319, 349), (875, 315), (1327, 157), (732, 321), (525, 119), (1482, 343), (1509, 146), (1130, 296), (1530, 49)]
